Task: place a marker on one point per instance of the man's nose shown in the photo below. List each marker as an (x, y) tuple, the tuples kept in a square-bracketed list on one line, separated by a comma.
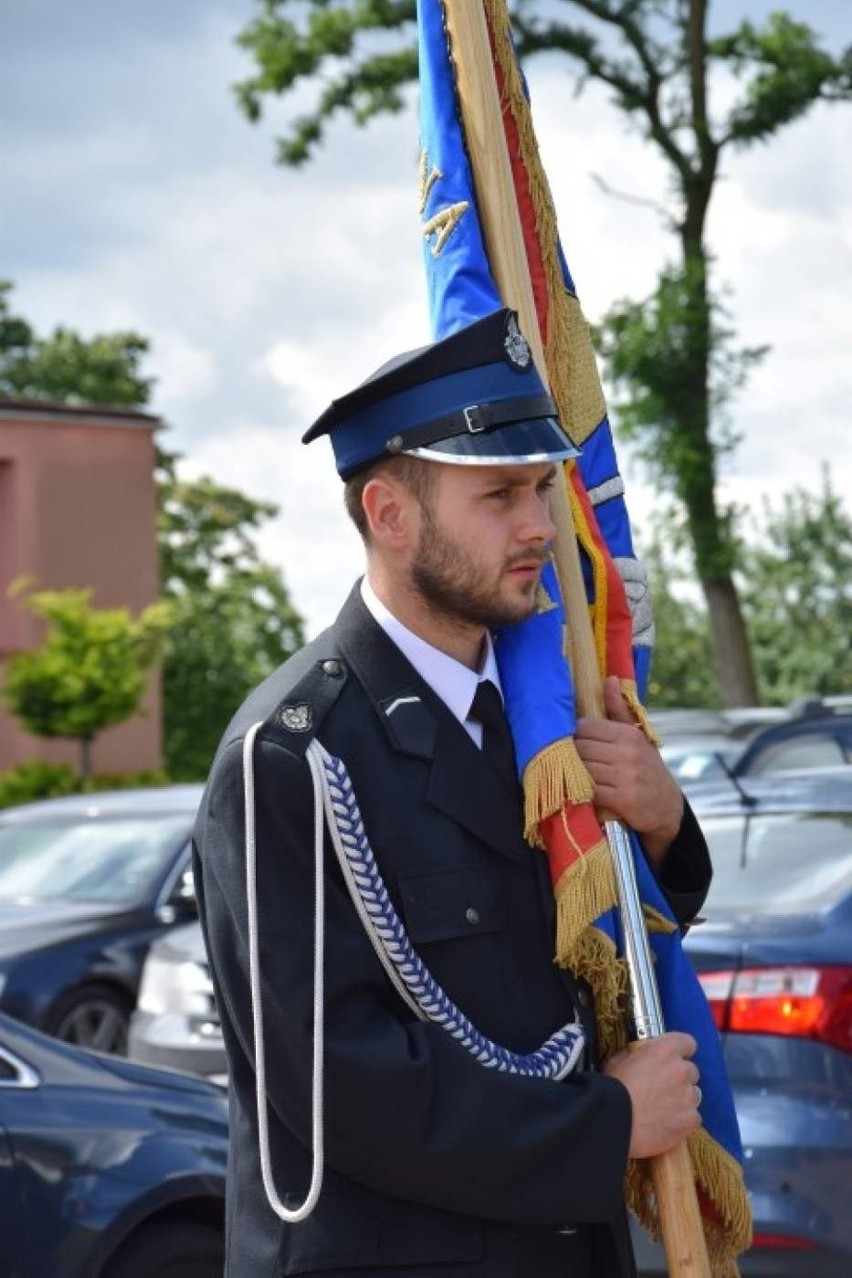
[(537, 524)]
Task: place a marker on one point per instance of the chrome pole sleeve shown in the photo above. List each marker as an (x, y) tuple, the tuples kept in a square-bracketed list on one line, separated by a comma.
[(644, 995)]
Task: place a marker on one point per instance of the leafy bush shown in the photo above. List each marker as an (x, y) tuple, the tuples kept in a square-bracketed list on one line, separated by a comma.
[(38, 779), (125, 781)]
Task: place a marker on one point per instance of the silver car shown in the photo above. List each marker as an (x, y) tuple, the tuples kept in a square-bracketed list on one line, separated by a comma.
[(176, 1023)]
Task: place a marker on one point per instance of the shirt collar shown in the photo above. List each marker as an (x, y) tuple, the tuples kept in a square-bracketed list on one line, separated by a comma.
[(453, 682)]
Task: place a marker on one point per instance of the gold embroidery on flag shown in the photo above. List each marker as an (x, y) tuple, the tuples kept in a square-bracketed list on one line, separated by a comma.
[(444, 222)]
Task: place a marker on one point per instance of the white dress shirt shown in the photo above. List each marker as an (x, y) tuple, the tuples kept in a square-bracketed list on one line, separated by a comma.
[(453, 682)]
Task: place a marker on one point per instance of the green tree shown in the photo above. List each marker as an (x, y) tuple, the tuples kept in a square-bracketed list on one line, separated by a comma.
[(797, 594), (235, 622), (66, 367), (657, 60), (795, 581), (89, 673), (682, 672), (233, 618)]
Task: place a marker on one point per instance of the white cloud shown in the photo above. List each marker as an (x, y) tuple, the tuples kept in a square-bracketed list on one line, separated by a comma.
[(185, 372)]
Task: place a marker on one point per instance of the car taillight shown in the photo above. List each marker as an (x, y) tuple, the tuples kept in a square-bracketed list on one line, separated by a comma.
[(783, 1242), (803, 1002)]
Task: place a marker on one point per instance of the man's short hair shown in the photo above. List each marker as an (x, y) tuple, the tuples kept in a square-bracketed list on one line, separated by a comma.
[(413, 472)]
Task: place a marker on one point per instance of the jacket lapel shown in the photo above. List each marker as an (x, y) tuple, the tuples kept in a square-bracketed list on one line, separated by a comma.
[(463, 784)]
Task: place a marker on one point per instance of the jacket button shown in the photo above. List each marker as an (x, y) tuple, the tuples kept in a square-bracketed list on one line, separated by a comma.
[(472, 916), (332, 667)]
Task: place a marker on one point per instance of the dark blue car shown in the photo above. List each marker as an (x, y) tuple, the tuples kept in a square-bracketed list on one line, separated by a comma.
[(775, 959), (107, 1169), (86, 884), (708, 746)]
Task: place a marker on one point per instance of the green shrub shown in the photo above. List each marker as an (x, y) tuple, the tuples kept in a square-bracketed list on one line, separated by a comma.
[(125, 781), (38, 779)]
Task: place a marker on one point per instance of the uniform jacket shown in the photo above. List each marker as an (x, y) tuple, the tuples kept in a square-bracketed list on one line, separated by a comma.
[(431, 1159)]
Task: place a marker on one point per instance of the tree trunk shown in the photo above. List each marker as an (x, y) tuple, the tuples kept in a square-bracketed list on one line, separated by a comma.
[(731, 651)]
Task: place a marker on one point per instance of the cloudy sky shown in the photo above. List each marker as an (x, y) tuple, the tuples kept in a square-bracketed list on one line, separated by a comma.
[(135, 195)]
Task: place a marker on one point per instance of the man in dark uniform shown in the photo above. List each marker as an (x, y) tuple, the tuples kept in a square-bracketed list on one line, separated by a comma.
[(433, 1163)]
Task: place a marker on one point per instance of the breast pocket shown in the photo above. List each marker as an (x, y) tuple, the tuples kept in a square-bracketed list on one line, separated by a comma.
[(445, 905)]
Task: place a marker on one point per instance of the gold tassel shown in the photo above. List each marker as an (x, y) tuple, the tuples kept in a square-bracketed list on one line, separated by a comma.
[(553, 777)]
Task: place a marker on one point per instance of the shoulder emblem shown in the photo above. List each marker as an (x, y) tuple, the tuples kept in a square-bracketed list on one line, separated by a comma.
[(296, 718)]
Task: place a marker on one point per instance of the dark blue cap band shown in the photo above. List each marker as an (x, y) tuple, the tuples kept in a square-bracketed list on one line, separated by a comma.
[(363, 437), (480, 383)]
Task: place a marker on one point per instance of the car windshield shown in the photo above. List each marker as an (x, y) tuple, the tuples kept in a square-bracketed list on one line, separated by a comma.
[(700, 760), (787, 861), (114, 860)]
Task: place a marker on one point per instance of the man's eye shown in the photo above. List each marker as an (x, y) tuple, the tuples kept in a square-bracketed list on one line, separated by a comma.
[(547, 485), (498, 493)]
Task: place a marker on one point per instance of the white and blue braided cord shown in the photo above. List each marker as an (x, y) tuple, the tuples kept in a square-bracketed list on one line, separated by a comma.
[(333, 791), (556, 1058)]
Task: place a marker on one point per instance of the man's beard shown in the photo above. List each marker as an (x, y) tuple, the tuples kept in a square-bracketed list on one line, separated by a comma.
[(450, 581)]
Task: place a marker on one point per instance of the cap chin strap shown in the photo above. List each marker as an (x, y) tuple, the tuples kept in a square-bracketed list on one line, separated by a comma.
[(334, 799), (473, 420)]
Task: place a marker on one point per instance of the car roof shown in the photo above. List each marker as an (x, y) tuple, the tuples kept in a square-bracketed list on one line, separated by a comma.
[(149, 801), (811, 789), (744, 721), (706, 742)]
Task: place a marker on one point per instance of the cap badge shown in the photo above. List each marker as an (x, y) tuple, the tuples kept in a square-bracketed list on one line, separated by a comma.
[(516, 346)]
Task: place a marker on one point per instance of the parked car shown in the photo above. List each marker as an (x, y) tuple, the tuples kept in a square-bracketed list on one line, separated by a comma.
[(707, 757), (816, 735), (86, 884), (699, 746), (176, 1022), (775, 959), (107, 1169)]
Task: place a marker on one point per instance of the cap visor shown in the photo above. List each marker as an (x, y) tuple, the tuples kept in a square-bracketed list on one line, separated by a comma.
[(520, 443)]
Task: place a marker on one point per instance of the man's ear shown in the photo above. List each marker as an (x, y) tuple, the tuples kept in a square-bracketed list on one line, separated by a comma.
[(391, 512)]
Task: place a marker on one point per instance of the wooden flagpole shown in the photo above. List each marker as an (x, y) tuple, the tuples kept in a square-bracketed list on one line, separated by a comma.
[(674, 1184)]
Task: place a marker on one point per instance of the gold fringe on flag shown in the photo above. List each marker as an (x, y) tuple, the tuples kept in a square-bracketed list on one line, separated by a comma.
[(718, 1175), (592, 958), (569, 355), (571, 367), (553, 777), (719, 1179), (584, 892), (586, 888)]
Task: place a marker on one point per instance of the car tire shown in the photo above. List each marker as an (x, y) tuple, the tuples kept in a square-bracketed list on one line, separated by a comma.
[(171, 1249), (95, 1017)]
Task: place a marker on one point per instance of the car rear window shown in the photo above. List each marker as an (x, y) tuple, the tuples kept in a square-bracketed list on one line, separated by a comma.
[(112, 860), (778, 861)]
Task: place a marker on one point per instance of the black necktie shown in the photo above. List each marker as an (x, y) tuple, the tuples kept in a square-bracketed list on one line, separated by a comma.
[(487, 709)]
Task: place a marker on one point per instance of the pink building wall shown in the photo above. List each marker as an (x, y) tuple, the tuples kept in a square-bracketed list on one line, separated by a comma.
[(77, 510)]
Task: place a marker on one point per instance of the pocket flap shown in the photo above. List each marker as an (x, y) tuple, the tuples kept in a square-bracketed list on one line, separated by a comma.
[(444, 904)]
